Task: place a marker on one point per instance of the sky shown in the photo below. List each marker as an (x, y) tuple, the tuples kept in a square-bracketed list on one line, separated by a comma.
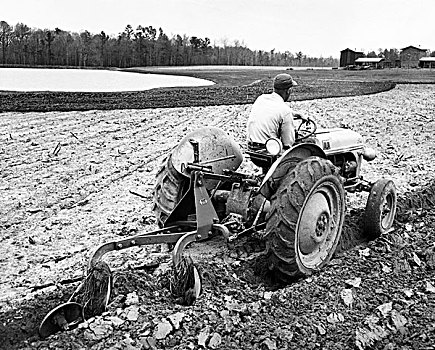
[(317, 28)]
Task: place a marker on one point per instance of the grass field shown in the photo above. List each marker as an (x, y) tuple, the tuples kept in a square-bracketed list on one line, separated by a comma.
[(236, 76), (234, 85)]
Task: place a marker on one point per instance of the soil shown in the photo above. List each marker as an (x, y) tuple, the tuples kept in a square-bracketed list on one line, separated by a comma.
[(220, 94), (73, 180)]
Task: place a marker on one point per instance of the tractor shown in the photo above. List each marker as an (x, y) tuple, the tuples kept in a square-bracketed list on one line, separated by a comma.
[(296, 204)]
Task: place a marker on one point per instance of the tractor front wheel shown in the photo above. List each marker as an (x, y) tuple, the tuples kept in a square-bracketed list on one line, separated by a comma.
[(380, 208), (306, 217)]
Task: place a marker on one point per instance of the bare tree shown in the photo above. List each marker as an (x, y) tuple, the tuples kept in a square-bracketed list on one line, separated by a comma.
[(20, 38), (103, 38), (49, 38), (299, 57), (5, 38)]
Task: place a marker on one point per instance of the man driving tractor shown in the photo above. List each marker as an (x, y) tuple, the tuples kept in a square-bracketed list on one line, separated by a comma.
[(271, 116)]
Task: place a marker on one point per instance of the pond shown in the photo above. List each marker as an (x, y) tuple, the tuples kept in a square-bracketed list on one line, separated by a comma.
[(88, 80)]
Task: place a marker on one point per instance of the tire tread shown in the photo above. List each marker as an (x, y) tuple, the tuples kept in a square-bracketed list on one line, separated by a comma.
[(286, 205)]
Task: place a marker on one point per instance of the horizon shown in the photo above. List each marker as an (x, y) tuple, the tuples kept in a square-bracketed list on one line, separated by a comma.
[(317, 28)]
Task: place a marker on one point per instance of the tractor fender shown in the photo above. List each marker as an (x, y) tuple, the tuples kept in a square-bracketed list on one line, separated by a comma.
[(217, 150), (285, 163)]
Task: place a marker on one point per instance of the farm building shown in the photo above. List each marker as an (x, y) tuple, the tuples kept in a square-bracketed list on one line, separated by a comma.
[(392, 64), (410, 56), (371, 62), (348, 57), (427, 62)]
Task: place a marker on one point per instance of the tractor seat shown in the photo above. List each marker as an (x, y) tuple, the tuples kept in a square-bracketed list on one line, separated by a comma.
[(259, 155)]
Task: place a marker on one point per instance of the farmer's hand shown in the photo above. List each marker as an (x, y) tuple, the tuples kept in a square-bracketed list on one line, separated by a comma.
[(304, 118)]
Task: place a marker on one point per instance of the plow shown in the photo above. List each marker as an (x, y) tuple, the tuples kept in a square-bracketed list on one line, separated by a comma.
[(296, 205)]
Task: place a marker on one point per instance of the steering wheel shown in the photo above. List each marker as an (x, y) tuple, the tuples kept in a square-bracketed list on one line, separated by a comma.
[(306, 129)]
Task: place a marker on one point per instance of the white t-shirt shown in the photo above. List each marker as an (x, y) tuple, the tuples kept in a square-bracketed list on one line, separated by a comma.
[(271, 117)]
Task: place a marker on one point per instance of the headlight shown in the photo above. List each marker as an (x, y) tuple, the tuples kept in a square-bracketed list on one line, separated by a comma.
[(274, 146), (369, 154)]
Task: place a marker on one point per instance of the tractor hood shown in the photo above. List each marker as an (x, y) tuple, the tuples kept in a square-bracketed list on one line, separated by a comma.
[(338, 140)]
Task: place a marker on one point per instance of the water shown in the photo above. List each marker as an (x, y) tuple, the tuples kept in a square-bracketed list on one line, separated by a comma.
[(87, 80)]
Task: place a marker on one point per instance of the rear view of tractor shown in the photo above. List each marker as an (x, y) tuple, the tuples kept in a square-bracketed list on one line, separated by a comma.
[(297, 206)]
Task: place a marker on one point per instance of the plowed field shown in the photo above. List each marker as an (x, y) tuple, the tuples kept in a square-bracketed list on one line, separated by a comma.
[(70, 181)]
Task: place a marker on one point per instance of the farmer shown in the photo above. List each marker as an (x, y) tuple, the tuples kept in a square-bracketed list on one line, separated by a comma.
[(271, 116)]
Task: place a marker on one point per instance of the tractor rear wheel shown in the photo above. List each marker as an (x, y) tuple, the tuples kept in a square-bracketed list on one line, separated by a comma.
[(305, 219), (168, 191)]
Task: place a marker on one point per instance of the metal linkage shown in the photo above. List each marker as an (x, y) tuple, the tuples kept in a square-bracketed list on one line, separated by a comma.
[(165, 235)]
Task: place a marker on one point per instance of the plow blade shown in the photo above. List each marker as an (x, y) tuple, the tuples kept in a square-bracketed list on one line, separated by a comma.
[(92, 296), (62, 318)]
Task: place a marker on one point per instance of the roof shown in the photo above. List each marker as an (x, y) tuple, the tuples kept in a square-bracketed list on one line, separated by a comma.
[(427, 59), (413, 47), (351, 50), (369, 60)]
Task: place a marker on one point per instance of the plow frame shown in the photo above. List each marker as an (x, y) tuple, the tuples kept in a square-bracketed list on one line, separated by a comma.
[(178, 232), (179, 229)]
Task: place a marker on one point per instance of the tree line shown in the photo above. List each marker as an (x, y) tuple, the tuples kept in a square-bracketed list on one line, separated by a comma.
[(390, 54), (143, 46)]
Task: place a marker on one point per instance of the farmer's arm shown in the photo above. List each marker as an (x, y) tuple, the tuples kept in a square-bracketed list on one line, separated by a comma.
[(287, 130)]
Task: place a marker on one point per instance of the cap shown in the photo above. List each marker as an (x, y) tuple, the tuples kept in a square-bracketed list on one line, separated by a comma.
[(283, 81)]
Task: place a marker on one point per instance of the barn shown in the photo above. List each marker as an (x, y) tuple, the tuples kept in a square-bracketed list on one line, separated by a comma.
[(410, 56), (348, 57)]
